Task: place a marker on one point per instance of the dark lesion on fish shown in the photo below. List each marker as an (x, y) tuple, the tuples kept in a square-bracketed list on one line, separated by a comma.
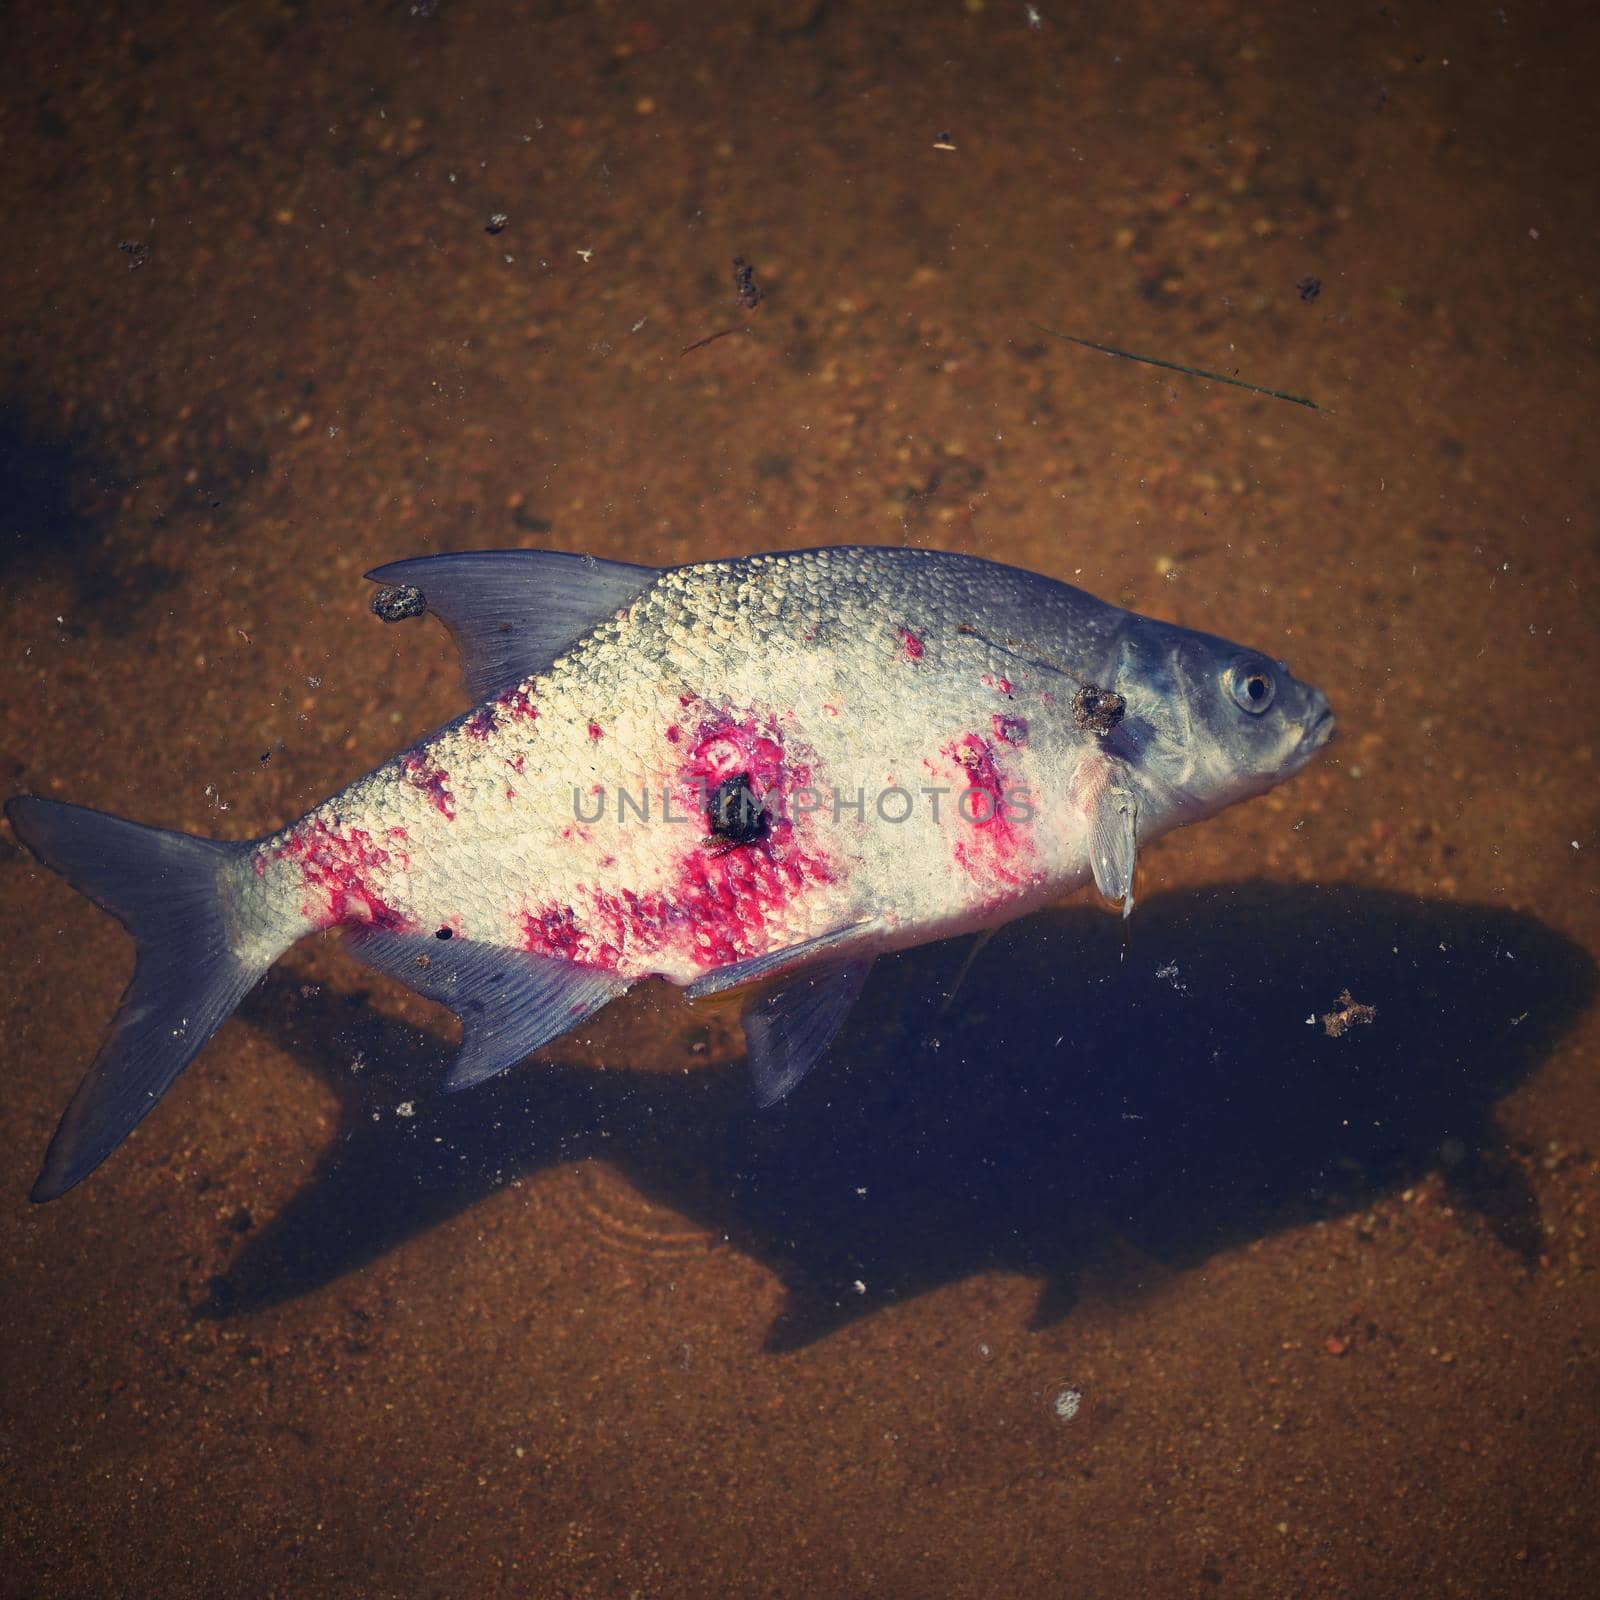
[(1095, 709), (735, 815), (1098, 710)]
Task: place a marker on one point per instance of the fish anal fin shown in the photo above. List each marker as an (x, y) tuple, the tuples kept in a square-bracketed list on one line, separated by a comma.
[(509, 1001)]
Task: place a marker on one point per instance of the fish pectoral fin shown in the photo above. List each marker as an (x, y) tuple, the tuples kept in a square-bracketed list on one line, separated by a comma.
[(787, 1027), (1113, 812), (764, 966), (974, 950), (512, 612), (509, 1002)]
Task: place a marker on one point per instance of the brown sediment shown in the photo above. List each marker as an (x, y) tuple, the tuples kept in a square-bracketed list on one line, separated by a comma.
[(1119, 1277)]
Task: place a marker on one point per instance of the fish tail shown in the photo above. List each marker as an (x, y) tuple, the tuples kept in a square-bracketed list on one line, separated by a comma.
[(168, 890)]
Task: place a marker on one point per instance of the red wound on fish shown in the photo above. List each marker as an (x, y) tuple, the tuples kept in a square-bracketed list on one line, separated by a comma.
[(737, 893), (557, 931), (723, 748), (911, 647), (724, 901), (481, 723), (518, 704), (1010, 730), (433, 781), (338, 871), (989, 842), (718, 910)]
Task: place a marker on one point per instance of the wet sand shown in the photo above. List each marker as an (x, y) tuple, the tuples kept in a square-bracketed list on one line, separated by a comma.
[(1124, 1276)]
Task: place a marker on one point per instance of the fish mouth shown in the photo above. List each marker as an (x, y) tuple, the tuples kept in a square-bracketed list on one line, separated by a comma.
[(1318, 734), (1312, 738)]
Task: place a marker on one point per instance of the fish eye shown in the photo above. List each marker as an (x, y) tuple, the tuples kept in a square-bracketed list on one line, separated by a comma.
[(1251, 686)]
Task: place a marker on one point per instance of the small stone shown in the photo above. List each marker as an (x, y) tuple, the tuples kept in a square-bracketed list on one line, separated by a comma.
[(399, 603), (1066, 1403)]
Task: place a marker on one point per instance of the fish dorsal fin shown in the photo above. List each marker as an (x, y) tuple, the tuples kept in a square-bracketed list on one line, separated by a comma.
[(512, 612), (787, 1028), (510, 1002)]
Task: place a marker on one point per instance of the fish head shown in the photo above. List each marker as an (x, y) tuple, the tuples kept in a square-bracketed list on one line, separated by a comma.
[(1210, 722)]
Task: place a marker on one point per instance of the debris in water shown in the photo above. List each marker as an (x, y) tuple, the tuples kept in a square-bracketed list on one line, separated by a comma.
[(1173, 366), (399, 603), (1349, 1012), (746, 290), (1171, 974), (1066, 1402)]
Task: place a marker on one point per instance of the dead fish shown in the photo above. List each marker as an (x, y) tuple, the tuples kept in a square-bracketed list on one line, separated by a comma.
[(772, 767)]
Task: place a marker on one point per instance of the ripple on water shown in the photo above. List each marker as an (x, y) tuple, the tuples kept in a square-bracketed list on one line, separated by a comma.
[(596, 1198)]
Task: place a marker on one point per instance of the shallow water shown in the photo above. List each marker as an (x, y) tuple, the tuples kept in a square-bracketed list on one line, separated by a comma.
[(1121, 1273)]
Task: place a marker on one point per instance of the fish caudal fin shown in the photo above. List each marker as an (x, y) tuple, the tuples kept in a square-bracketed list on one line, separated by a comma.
[(166, 890)]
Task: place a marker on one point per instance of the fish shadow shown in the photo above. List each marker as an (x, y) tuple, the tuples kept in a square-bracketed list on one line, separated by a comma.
[(1099, 1107), (59, 498)]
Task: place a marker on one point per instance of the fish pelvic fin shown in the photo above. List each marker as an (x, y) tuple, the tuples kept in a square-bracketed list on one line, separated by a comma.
[(787, 1028), (167, 889), (789, 1025)]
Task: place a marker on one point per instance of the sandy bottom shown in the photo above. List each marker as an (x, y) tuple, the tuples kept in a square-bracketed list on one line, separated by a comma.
[(1123, 1275)]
